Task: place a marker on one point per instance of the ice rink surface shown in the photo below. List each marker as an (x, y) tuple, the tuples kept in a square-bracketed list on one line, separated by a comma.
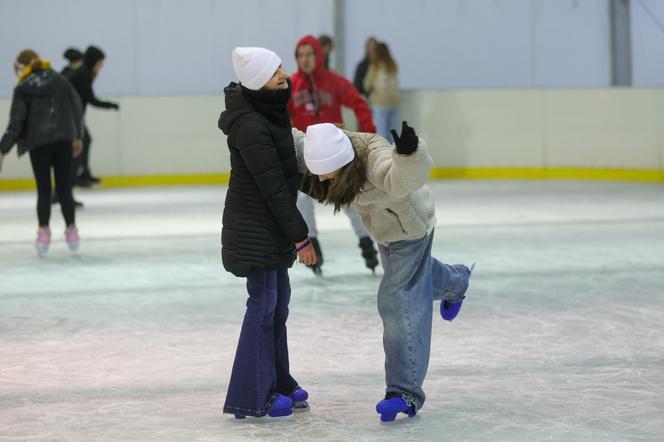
[(561, 336)]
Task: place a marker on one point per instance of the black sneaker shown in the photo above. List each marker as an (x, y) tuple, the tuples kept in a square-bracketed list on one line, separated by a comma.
[(82, 182), (87, 176), (369, 253)]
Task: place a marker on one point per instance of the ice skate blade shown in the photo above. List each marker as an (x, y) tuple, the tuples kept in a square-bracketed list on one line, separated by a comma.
[(300, 407), (263, 419), (400, 419)]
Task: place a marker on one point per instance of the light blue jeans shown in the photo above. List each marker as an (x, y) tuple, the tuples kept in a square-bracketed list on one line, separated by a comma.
[(385, 119), (412, 280)]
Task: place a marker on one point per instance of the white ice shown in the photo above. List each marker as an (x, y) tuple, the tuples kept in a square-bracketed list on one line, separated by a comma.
[(561, 336)]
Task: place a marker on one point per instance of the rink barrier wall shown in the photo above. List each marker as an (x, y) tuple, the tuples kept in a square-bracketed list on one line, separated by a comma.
[(438, 173), (522, 134)]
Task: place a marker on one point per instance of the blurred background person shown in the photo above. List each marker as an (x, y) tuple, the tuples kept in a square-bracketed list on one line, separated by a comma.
[(317, 97), (75, 59), (363, 66), (81, 79), (327, 45), (46, 121), (382, 88)]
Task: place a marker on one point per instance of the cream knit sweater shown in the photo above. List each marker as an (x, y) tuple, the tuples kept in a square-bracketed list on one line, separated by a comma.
[(395, 204)]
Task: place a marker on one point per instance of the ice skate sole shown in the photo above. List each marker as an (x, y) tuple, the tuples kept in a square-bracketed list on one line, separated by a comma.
[(398, 418), (300, 407), (266, 418)]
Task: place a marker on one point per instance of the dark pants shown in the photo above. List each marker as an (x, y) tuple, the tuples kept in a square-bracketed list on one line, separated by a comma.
[(59, 157), (260, 371)]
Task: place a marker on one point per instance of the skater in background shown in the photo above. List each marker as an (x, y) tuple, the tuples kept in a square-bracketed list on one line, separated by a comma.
[(75, 59), (46, 122), (363, 66), (317, 97), (81, 79), (327, 46), (386, 184), (262, 232), (382, 88)]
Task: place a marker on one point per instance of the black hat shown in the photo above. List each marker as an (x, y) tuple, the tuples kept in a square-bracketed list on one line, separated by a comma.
[(73, 55), (92, 55)]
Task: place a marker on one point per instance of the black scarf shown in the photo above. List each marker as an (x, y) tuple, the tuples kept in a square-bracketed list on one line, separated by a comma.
[(272, 104)]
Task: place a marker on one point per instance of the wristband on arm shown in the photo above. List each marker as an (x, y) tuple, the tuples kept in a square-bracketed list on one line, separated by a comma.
[(306, 244)]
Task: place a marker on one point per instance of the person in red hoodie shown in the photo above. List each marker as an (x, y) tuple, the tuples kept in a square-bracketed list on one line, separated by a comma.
[(317, 97)]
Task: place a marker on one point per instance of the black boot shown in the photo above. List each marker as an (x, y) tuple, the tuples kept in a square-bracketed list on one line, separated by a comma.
[(87, 176), (316, 268), (369, 253)]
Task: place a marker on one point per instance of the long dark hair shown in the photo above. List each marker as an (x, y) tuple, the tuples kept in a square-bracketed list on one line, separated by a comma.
[(342, 190)]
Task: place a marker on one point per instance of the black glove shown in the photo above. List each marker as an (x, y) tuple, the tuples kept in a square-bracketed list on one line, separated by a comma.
[(407, 142)]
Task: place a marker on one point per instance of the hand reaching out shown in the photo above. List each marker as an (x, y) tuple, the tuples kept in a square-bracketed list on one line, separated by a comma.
[(406, 143)]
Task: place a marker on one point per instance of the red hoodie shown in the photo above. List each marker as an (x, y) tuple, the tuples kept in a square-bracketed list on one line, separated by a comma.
[(331, 90)]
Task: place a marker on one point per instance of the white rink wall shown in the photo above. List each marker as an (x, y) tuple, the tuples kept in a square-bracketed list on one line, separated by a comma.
[(530, 128)]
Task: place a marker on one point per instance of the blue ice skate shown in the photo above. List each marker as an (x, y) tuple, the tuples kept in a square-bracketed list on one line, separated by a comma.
[(299, 397), (282, 407), (392, 405), (449, 310)]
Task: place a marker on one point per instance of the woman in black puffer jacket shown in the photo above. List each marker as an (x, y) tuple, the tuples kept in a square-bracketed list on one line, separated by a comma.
[(46, 121), (262, 232)]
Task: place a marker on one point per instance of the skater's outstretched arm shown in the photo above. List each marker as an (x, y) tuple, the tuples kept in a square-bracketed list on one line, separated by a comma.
[(401, 169), (17, 116)]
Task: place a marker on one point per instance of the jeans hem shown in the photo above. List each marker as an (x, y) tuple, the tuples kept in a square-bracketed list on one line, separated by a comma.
[(253, 412)]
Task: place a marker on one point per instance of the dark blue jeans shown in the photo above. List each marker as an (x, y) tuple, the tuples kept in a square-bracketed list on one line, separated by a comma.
[(260, 371)]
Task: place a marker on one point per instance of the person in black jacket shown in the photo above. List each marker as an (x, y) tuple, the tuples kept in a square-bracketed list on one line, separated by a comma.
[(82, 79), (262, 232), (46, 121), (363, 66), (75, 59)]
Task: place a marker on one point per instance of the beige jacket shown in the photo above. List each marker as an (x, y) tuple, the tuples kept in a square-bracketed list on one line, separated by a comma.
[(382, 87), (395, 204)]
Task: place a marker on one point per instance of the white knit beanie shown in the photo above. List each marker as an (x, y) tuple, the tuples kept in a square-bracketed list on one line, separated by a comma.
[(255, 66), (326, 149)]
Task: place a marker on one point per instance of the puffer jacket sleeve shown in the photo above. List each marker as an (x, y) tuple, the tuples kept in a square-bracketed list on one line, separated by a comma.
[(17, 117), (262, 160), (397, 174)]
